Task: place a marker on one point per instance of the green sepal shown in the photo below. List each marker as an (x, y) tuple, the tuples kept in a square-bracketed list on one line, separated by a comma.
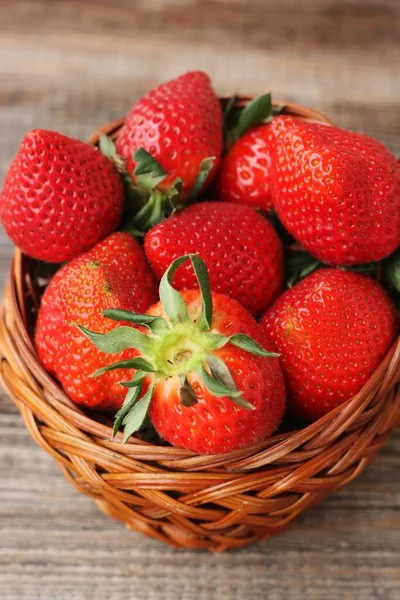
[(129, 402), (148, 171), (129, 363), (172, 301), (206, 166), (247, 343), (229, 113), (259, 110), (216, 340), (314, 265), (214, 386), (153, 204), (391, 269), (137, 415), (118, 339), (241, 341), (203, 280), (220, 372), (174, 193), (155, 324), (133, 198), (299, 264), (107, 146), (220, 390), (369, 267), (136, 379), (150, 214)]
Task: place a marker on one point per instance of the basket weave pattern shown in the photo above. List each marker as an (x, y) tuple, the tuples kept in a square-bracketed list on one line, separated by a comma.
[(183, 499)]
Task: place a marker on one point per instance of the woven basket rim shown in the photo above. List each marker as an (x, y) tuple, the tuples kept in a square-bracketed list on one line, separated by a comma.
[(279, 444)]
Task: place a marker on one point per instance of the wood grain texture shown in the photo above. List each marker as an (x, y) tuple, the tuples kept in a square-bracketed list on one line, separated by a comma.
[(73, 65)]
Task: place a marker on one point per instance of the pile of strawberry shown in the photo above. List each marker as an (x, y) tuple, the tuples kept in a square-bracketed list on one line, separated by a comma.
[(225, 211)]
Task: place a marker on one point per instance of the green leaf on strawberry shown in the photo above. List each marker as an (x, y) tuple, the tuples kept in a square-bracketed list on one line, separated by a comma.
[(149, 173), (136, 416), (391, 269), (206, 166), (107, 146), (179, 123), (130, 363), (133, 199), (129, 402), (157, 202), (257, 111), (155, 324)]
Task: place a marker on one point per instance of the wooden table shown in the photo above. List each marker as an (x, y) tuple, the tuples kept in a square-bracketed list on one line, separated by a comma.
[(71, 65)]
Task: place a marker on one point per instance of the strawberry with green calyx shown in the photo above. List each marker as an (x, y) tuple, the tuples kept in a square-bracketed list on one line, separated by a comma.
[(146, 203), (179, 124), (243, 177), (114, 273), (201, 374)]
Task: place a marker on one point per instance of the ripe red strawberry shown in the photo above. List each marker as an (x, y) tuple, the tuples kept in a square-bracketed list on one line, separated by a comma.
[(180, 124), (337, 192), (60, 197), (209, 387), (240, 248), (48, 327), (331, 330), (216, 424), (244, 172), (112, 274)]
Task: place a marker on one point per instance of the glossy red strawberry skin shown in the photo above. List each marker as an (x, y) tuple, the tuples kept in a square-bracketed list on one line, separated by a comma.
[(331, 330), (179, 123), (242, 252), (113, 274), (60, 197), (337, 192), (244, 172), (216, 425)]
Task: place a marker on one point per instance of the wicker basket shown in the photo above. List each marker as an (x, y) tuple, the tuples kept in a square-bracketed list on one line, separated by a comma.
[(183, 499)]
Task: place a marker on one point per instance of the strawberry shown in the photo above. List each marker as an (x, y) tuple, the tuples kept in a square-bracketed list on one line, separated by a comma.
[(48, 327), (60, 197), (240, 248), (114, 273), (244, 173), (337, 192), (332, 330), (179, 124), (209, 387)]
